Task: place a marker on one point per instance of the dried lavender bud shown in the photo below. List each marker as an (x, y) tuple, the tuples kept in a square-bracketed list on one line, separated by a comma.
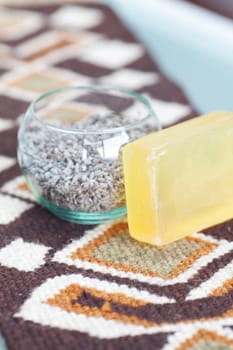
[(80, 172)]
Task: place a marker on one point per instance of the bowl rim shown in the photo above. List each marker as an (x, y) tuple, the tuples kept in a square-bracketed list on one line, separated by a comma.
[(101, 88)]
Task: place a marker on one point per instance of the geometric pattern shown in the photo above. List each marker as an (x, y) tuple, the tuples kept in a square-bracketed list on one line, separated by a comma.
[(45, 44), (5, 124), (75, 286), (204, 339), (13, 107), (207, 340), (18, 187), (169, 112), (22, 255), (11, 208), (15, 24), (40, 80), (6, 162), (130, 79), (110, 249), (77, 17), (121, 53), (89, 305)]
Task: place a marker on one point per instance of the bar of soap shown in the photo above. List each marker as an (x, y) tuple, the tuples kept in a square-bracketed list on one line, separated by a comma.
[(180, 180)]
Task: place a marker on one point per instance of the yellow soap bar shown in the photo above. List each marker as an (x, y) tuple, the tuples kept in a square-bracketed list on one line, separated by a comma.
[(180, 180)]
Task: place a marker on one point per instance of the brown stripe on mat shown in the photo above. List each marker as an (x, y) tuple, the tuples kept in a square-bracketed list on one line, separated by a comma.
[(47, 338), (222, 231), (40, 226), (11, 107), (9, 174), (74, 64), (8, 142)]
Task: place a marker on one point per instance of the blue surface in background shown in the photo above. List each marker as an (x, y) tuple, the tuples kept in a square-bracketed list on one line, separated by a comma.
[(202, 67), (2, 343)]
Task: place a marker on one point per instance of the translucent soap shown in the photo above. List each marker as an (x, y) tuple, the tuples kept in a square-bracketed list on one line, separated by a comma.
[(180, 180)]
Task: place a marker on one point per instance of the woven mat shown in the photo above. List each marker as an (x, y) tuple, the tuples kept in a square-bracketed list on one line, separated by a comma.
[(64, 286)]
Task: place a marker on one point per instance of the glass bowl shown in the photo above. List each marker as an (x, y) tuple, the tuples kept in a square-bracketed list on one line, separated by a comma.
[(69, 149)]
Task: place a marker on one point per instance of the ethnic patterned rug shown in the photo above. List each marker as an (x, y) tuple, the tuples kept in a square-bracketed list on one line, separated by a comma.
[(65, 286)]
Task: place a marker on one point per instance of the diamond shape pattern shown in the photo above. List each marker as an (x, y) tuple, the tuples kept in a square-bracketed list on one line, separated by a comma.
[(11, 208), (6, 162), (22, 255), (77, 17), (112, 54), (130, 79)]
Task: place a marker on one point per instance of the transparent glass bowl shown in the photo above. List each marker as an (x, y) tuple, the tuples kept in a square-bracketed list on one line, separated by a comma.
[(69, 149)]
